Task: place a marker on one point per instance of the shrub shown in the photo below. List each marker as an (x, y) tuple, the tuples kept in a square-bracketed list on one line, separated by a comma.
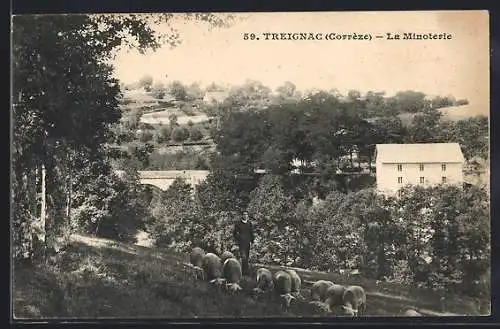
[(195, 134), (145, 136), (180, 134)]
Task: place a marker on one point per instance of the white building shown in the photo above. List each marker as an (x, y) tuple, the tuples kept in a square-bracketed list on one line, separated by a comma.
[(215, 97), (417, 164)]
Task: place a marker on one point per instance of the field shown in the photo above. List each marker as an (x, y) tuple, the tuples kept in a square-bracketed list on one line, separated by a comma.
[(452, 113), (161, 117), (102, 278), (158, 113)]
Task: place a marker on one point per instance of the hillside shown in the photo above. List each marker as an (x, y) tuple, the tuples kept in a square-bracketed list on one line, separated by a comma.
[(451, 113), (102, 278)]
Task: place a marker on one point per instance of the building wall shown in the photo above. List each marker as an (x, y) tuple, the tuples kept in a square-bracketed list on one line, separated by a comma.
[(387, 175)]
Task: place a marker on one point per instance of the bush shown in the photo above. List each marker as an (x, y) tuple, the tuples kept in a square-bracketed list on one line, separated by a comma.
[(180, 134), (113, 208), (195, 134), (145, 136), (164, 134), (436, 237)]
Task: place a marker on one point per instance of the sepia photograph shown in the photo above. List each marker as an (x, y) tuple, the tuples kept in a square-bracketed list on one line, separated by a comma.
[(250, 165)]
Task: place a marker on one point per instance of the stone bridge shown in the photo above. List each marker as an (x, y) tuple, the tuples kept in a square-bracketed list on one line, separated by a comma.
[(164, 178)]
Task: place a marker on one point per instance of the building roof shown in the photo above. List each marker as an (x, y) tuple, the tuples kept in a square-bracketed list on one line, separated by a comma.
[(215, 96), (419, 153)]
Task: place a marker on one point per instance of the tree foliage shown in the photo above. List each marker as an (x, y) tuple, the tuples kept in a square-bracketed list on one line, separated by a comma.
[(65, 102)]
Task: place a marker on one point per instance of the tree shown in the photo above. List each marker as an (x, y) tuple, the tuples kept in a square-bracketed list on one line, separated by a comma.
[(158, 90), (195, 134), (271, 210), (353, 95), (180, 134), (287, 89), (425, 127), (173, 212), (177, 90), (146, 82), (65, 101), (194, 91)]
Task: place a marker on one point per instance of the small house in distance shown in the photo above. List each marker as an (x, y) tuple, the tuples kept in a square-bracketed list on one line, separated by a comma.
[(424, 164), (215, 97)]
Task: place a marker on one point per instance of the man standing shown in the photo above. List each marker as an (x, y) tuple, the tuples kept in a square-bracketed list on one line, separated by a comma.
[(244, 236)]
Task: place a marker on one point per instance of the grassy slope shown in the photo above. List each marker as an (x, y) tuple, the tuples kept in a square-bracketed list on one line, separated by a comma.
[(101, 278)]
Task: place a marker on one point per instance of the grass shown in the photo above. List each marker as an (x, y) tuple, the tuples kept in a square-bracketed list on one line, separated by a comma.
[(98, 278)]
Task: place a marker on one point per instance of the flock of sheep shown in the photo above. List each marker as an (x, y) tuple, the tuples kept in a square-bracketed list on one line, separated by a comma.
[(226, 272)]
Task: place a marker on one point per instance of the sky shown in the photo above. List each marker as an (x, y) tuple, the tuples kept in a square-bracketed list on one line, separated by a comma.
[(458, 67)]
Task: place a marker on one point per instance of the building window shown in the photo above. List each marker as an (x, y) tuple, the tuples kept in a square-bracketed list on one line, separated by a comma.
[(400, 167), (400, 180), (443, 179), (422, 180), (443, 167), (421, 167), (400, 193)]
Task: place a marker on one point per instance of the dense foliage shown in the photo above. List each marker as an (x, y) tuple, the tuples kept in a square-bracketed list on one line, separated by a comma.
[(66, 99), (432, 237)]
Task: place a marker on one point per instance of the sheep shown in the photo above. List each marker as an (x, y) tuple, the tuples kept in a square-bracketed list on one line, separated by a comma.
[(319, 289), (196, 259), (296, 284), (232, 274), (283, 287), (212, 268), (411, 312), (334, 296), (225, 255), (354, 301), (264, 279)]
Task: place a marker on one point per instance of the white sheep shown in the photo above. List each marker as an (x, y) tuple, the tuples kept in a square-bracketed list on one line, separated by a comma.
[(283, 287), (231, 270), (319, 289), (212, 268), (196, 259), (354, 301)]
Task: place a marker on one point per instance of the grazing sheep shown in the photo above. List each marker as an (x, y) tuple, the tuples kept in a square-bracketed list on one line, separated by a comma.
[(232, 274), (319, 289), (296, 284), (264, 279), (334, 296), (226, 255), (196, 256), (196, 259), (411, 312), (212, 268), (283, 287), (354, 301)]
